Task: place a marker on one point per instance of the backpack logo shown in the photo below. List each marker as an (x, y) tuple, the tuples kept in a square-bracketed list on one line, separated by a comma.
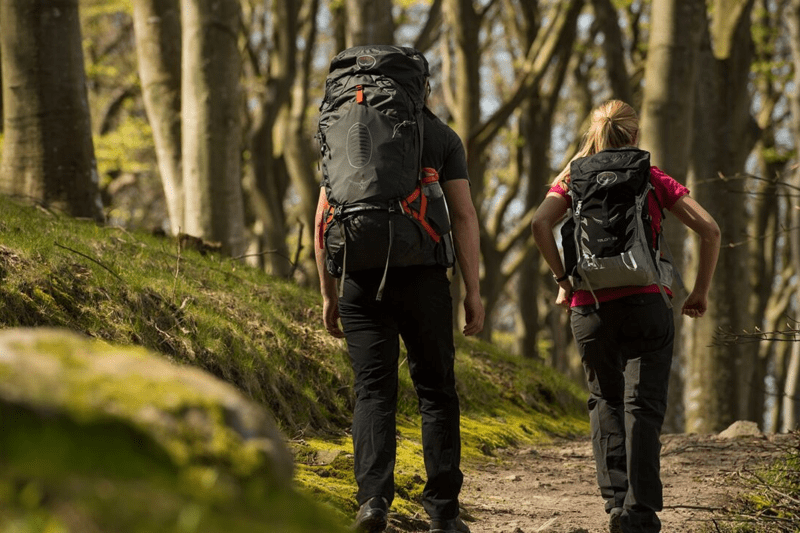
[(607, 178), (366, 62), (359, 145)]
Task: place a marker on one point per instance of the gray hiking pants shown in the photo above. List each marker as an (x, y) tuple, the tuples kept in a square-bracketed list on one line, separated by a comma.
[(626, 350)]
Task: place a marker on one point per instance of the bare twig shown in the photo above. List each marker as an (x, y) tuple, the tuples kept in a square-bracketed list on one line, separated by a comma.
[(92, 259), (297, 252), (177, 271)]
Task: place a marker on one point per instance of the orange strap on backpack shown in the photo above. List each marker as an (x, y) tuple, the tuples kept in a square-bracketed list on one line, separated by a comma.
[(324, 220), (420, 216)]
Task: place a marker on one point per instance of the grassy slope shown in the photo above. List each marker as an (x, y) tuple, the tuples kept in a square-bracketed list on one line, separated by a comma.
[(263, 335)]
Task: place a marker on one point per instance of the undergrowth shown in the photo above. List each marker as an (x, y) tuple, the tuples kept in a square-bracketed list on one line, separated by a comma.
[(263, 335), (771, 501)]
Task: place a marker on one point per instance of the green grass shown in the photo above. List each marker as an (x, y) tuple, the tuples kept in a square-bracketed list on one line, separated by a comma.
[(264, 336), (771, 501)]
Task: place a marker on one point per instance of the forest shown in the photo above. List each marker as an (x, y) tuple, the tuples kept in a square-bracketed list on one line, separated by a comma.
[(197, 118)]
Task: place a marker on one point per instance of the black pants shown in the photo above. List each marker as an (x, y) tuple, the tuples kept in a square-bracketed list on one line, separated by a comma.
[(416, 306), (626, 349)]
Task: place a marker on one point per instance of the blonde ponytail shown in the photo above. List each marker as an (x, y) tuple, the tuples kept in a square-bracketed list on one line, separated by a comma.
[(614, 125)]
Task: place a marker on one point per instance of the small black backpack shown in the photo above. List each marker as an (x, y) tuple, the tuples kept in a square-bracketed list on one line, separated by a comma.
[(384, 209), (610, 241)]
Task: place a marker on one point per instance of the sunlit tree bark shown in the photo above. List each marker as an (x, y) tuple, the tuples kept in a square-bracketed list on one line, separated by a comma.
[(211, 137), (718, 384), (791, 389), (666, 132), (157, 24), (48, 152)]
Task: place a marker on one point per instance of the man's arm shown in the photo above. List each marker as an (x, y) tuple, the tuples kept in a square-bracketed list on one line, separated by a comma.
[(467, 244), (327, 283)]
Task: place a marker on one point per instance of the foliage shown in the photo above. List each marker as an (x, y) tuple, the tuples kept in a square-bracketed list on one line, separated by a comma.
[(262, 334), (772, 502), (123, 141)]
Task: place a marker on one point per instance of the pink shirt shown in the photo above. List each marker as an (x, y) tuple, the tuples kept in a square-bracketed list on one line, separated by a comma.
[(667, 191)]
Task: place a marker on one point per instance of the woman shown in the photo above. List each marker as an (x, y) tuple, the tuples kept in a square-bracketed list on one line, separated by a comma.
[(626, 341)]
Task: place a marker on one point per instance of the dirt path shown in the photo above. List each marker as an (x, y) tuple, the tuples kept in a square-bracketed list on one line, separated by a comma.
[(553, 489)]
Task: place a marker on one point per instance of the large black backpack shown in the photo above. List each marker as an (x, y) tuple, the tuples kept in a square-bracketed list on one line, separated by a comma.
[(383, 209), (609, 241)]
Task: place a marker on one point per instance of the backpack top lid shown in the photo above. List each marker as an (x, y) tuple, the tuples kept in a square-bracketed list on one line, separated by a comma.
[(406, 65), (628, 166)]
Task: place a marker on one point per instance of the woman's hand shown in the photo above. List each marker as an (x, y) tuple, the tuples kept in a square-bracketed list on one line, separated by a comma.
[(564, 298)]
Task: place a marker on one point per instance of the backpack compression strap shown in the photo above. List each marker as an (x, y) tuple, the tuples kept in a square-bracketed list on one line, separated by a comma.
[(420, 215)]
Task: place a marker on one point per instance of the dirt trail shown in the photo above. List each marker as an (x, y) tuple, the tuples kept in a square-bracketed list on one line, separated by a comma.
[(552, 489)]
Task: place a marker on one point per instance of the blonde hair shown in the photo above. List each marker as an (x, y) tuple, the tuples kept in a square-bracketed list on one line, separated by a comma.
[(614, 124)]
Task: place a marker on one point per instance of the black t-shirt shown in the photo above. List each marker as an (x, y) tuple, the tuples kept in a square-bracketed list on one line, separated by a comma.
[(443, 149)]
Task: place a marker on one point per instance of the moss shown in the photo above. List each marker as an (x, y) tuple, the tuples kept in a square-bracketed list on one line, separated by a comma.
[(264, 336)]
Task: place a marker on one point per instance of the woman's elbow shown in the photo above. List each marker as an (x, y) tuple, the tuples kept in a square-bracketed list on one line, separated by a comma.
[(711, 232), (540, 226)]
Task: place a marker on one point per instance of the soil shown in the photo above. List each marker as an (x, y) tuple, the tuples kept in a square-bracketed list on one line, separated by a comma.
[(553, 489)]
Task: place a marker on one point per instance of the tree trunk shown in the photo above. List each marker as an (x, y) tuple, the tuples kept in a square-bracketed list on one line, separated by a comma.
[(718, 384), (608, 20), (211, 104), (666, 128), (301, 158), (48, 152), (462, 92), (157, 24), (791, 392), (369, 22), (791, 399), (269, 181), (536, 123)]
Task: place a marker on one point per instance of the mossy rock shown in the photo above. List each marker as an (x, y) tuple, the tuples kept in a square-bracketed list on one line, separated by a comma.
[(99, 438)]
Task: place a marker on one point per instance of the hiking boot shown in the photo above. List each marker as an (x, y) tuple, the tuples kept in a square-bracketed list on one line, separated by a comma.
[(454, 525), (614, 520), (372, 516)]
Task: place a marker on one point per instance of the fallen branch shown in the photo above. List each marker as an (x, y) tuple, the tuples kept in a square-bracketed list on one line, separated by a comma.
[(92, 259)]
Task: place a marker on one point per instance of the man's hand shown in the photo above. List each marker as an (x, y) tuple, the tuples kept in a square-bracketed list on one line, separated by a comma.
[(474, 314), (330, 317)]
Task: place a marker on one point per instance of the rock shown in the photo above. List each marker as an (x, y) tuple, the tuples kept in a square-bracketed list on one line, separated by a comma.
[(741, 428), (110, 438)]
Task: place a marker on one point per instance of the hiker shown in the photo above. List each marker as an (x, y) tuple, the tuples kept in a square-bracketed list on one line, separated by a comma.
[(387, 292), (624, 333)]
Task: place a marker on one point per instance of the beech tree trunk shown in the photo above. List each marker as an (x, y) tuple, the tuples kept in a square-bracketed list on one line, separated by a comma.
[(666, 132), (719, 384), (211, 107), (157, 24), (48, 152), (369, 22), (791, 391)]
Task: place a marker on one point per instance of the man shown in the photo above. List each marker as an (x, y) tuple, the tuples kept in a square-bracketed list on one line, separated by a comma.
[(415, 306)]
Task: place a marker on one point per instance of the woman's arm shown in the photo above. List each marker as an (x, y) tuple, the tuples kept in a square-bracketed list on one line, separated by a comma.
[(549, 213), (692, 214)]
